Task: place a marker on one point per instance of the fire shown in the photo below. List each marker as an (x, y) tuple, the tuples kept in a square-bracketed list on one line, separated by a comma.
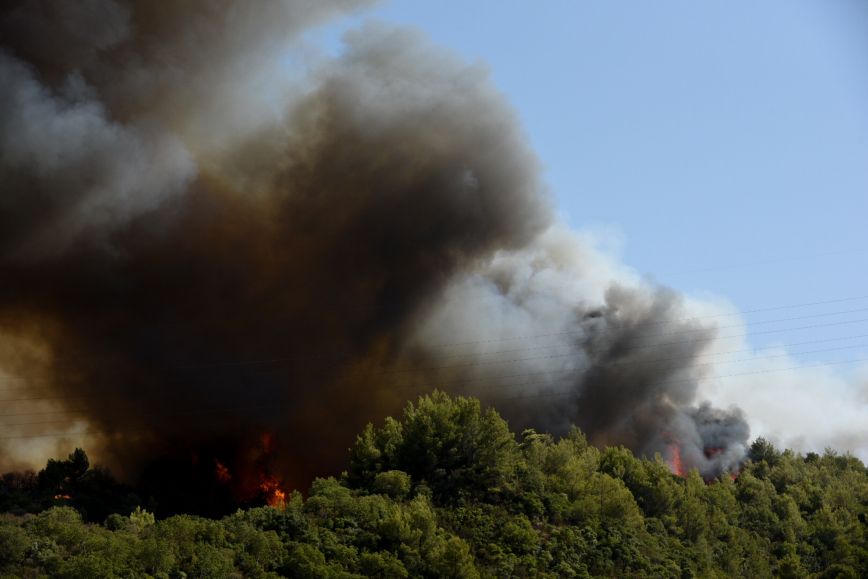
[(62, 497), (275, 496), (673, 448), (222, 472), (712, 451), (675, 464), (270, 487), (267, 442)]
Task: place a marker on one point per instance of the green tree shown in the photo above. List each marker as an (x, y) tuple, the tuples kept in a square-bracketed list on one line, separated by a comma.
[(452, 444)]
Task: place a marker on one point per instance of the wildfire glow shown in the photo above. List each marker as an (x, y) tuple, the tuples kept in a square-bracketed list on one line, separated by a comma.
[(712, 451), (222, 471), (267, 442), (274, 495), (675, 464)]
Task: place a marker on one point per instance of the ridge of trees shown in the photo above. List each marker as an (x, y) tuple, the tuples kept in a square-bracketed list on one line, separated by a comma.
[(448, 490)]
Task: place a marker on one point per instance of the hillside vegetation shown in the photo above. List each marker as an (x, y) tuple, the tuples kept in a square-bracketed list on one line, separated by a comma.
[(448, 491)]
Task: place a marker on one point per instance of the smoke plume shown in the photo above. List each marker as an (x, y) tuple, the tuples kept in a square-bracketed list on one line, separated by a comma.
[(197, 249)]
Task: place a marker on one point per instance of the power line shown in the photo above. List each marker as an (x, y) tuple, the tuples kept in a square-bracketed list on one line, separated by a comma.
[(498, 380), (486, 362), (547, 346), (465, 381), (577, 334), (662, 334), (766, 261), (565, 333), (751, 373), (551, 394), (182, 412)]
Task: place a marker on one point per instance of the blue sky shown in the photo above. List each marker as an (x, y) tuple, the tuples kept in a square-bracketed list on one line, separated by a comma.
[(725, 142)]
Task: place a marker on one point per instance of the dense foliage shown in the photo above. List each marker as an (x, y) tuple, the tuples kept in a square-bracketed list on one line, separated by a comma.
[(449, 491), (92, 491)]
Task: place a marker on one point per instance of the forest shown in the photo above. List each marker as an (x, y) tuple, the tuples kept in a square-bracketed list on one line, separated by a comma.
[(447, 490)]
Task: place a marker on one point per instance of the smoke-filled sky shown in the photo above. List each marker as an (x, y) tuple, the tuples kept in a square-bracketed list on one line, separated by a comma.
[(718, 147), (212, 229)]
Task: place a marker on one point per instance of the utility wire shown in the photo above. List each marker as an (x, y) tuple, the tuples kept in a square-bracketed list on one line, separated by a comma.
[(568, 380), (332, 356), (619, 363), (662, 334), (690, 331), (484, 362)]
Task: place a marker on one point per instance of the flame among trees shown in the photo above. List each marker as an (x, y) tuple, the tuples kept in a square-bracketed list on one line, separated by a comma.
[(675, 464), (74, 481), (448, 490)]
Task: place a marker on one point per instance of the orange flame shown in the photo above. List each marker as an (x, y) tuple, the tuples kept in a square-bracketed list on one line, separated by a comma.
[(675, 464), (270, 487), (274, 495), (712, 451), (267, 442), (222, 472)]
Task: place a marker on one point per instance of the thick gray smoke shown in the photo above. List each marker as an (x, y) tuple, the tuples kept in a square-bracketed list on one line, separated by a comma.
[(554, 334), (195, 250)]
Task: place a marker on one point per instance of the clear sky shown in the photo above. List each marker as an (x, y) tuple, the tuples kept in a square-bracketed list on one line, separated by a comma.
[(725, 142)]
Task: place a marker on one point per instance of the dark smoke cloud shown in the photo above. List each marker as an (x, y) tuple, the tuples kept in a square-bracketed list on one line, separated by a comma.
[(186, 266), (69, 171), (578, 342)]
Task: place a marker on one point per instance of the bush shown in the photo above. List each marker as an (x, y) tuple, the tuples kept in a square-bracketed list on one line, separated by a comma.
[(394, 483)]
